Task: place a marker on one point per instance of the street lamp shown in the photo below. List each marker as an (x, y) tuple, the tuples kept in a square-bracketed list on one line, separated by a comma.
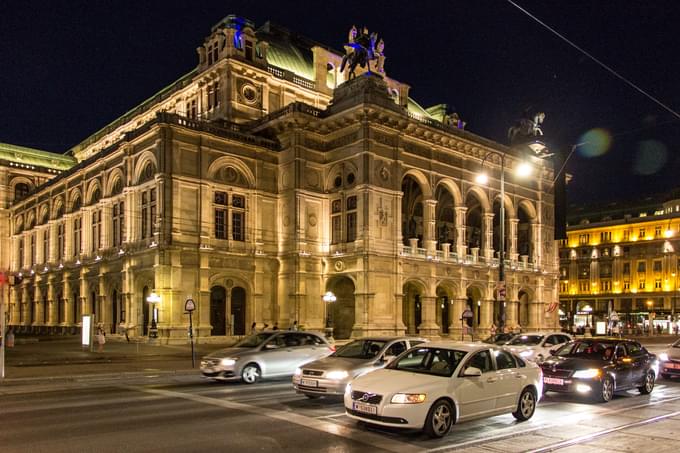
[(650, 328), (329, 298), (153, 299), (524, 170)]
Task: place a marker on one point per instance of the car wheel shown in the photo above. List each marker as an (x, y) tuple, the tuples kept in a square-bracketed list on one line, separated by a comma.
[(526, 405), (439, 419), (648, 385), (250, 373), (665, 375), (606, 390)]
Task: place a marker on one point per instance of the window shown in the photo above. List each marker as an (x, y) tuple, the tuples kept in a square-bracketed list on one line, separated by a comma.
[(213, 50), (606, 285), (481, 360), (191, 111), (564, 287), (657, 283), (249, 50), (641, 267), (46, 245), (641, 233), (213, 95), (626, 268), (351, 219), (626, 235), (626, 286), (21, 190), (234, 212), (641, 284), (583, 239), (657, 265), (504, 360), (583, 287), (96, 230), (32, 249), (60, 241), (584, 271), (77, 235), (396, 349), (336, 221), (118, 225), (21, 253), (148, 212), (657, 231), (606, 236)]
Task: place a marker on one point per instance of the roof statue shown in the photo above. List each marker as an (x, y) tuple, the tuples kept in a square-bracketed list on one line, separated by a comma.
[(527, 127), (363, 50)]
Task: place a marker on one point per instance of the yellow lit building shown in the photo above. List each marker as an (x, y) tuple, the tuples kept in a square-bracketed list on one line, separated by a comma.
[(263, 179), (623, 258)]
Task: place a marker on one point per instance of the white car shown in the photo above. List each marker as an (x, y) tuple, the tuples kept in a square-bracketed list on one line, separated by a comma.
[(434, 385), (536, 346)]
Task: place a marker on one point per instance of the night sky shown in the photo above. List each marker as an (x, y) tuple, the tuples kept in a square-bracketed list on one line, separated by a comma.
[(67, 68)]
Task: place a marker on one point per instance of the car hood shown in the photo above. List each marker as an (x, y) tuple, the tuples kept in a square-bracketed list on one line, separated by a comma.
[(339, 363), (395, 381), (572, 363), (229, 352)]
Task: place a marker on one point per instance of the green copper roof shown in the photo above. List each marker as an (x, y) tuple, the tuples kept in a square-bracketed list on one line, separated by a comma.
[(288, 50), (416, 109), (35, 157)]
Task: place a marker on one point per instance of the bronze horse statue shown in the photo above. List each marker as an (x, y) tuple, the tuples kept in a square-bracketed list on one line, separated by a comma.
[(360, 50)]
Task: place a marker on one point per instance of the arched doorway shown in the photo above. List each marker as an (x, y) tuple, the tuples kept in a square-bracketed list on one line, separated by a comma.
[(445, 218), (146, 311), (443, 310), (412, 307), (473, 222), (523, 310), (114, 312), (341, 312), (497, 229), (218, 310), (474, 302), (238, 310), (411, 210), (524, 235)]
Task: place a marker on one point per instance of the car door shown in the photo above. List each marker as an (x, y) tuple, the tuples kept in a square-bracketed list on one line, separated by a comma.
[(623, 366), (638, 362), (477, 394), (318, 349), (298, 349), (510, 380), (274, 355)]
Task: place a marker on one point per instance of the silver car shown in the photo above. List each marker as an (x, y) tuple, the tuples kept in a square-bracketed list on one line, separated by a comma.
[(330, 375), (266, 354)]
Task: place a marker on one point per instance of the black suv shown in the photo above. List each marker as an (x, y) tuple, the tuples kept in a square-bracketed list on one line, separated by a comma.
[(598, 367)]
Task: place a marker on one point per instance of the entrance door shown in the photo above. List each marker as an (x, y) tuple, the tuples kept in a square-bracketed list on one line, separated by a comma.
[(218, 310), (238, 310), (444, 305)]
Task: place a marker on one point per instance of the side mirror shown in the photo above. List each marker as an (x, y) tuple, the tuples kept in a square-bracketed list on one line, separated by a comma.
[(472, 371)]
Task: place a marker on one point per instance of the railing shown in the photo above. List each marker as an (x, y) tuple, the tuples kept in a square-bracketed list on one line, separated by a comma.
[(439, 256), (291, 77)]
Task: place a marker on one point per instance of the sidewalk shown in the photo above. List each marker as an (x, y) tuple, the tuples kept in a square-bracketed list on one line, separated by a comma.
[(44, 358)]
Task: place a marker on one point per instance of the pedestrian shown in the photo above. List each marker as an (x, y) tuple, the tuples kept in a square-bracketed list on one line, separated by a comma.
[(276, 326), (101, 339), (492, 330), (10, 339), (266, 326), (125, 331), (253, 328), (294, 327)]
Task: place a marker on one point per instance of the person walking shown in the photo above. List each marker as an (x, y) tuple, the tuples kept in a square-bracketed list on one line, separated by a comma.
[(253, 328), (294, 327), (101, 338), (276, 326)]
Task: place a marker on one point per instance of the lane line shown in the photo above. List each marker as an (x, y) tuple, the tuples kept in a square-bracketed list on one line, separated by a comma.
[(570, 419), (367, 438), (588, 437)]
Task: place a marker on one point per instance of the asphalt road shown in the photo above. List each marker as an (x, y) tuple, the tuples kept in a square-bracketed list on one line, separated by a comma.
[(190, 414)]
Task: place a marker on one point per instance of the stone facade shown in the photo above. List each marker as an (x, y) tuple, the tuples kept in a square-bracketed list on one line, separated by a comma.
[(262, 180)]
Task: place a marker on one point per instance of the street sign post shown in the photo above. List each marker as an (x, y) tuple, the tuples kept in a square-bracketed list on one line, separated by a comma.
[(189, 307)]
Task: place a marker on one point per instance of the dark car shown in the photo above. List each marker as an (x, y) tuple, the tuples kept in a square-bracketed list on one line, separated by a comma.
[(598, 367), (670, 361)]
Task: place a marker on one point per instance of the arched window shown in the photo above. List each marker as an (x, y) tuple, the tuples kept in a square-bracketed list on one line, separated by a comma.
[(21, 190)]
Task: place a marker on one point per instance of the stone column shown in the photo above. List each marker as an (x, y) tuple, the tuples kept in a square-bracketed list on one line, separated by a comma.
[(537, 242), (446, 250), (486, 317), (456, 326), (511, 314), (24, 305), (429, 223), (413, 242), (68, 237), (428, 326), (106, 225), (487, 237), (535, 312), (51, 301), (512, 253), (460, 245)]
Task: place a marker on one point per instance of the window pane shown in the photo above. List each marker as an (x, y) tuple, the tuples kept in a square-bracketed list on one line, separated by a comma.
[(351, 227), (220, 224), (237, 221)]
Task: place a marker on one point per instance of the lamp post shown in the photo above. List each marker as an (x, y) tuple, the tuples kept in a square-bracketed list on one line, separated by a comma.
[(650, 328), (329, 298), (153, 299), (482, 178)]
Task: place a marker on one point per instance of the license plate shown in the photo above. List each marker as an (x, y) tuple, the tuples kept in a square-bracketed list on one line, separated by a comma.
[(365, 408), (553, 381), (309, 382)]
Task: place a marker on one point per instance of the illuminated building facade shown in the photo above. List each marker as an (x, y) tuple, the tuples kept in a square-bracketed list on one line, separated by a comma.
[(263, 179), (623, 258)]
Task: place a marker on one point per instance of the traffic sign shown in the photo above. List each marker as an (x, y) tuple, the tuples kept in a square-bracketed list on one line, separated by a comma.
[(614, 316), (467, 313), (189, 305)]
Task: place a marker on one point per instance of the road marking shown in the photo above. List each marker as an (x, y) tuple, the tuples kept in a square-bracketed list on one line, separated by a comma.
[(588, 437), (342, 414), (302, 420), (563, 420)]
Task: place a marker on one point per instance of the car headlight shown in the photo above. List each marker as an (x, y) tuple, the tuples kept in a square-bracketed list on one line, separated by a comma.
[(663, 357), (348, 389), (228, 362), (587, 374), (408, 398), (337, 375), (526, 353)]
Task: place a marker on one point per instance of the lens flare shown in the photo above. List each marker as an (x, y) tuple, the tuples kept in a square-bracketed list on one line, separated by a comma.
[(650, 157), (596, 142)]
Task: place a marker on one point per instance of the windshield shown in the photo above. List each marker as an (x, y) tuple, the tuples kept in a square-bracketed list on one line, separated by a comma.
[(360, 349), (526, 340), (499, 339), (253, 340), (587, 349), (436, 361)]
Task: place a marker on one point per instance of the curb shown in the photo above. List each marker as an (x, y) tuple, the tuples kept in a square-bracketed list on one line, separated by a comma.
[(98, 376)]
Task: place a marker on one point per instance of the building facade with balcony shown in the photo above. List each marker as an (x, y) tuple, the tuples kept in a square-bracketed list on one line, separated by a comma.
[(622, 257), (263, 179)]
